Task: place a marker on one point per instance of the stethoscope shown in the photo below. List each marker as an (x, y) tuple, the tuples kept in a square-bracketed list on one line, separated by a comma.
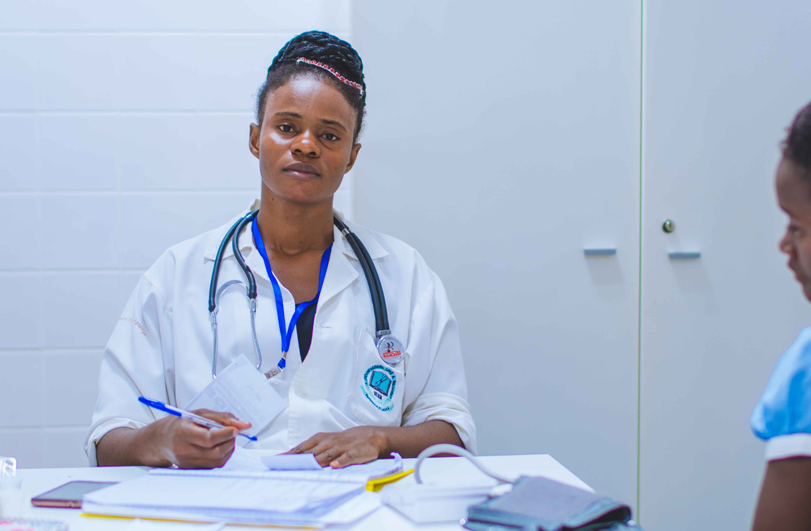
[(388, 346)]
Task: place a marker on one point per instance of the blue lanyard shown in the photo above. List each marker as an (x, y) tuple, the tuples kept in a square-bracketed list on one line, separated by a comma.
[(288, 335)]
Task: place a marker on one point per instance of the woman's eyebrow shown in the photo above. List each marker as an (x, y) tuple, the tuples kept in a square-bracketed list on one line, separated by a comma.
[(323, 120), (333, 122)]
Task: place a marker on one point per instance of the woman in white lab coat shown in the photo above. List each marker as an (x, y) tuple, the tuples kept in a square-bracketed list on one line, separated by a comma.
[(309, 114), (782, 417)]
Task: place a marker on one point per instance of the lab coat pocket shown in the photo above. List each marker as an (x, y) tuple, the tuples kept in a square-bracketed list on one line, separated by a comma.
[(377, 389)]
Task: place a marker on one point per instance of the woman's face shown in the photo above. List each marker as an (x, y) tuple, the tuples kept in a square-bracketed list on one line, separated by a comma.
[(305, 141), (794, 197)]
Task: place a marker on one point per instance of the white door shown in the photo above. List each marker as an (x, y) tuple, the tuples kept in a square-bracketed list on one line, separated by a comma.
[(722, 80), (502, 141)]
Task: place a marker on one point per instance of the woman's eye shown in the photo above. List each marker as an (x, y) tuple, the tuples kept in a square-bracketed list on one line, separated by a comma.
[(794, 230), (284, 128), (330, 136)]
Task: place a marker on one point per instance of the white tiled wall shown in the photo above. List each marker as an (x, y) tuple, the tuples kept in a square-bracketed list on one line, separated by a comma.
[(123, 130)]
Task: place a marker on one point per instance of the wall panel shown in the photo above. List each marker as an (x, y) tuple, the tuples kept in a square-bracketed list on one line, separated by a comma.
[(502, 140), (123, 130)]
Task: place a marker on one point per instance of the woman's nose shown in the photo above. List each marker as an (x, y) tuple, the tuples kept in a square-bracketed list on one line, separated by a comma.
[(304, 145), (785, 244)]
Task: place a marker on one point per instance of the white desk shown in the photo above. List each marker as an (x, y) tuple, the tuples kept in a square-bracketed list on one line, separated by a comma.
[(445, 469)]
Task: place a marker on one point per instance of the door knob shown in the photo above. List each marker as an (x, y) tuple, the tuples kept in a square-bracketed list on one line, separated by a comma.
[(668, 226)]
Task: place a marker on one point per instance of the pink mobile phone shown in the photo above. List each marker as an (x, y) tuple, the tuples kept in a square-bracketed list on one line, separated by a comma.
[(69, 495)]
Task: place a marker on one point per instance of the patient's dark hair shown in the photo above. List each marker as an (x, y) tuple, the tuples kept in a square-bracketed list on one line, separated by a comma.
[(797, 145), (323, 48)]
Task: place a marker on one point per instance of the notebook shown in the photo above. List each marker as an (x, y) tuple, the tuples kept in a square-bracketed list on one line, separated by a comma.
[(228, 499), (249, 494)]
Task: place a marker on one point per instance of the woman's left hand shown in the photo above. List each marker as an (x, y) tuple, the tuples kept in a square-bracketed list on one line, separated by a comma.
[(349, 447)]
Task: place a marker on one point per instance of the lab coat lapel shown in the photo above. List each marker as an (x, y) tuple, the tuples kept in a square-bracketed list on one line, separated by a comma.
[(252, 256), (340, 272)]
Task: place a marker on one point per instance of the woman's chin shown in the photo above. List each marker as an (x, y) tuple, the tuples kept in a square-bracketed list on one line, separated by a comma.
[(807, 290), (301, 193), (301, 197)]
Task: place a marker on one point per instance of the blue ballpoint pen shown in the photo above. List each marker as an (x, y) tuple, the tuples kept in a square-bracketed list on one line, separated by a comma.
[(197, 419)]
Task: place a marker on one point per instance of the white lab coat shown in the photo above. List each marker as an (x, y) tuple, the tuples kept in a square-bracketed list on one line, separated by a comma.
[(161, 348)]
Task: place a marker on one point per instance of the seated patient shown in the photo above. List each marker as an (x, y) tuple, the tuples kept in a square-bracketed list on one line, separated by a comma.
[(783, 415), (345, 402)]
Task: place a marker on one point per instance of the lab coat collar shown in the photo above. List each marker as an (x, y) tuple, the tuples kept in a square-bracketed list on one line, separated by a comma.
[(340, 272), (216, 236), (370, 241)]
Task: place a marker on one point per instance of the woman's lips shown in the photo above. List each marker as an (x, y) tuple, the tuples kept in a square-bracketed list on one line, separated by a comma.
[(797, 275), (302, 170)]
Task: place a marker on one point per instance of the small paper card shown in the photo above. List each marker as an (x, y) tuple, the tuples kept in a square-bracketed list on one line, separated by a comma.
[(244, 392), (291, 462)]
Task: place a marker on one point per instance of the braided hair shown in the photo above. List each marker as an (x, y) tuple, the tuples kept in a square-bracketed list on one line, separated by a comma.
[(330, 52), (797, 145)]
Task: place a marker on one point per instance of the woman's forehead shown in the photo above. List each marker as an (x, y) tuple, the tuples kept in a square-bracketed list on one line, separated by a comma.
[(793, 189), (312, 98)]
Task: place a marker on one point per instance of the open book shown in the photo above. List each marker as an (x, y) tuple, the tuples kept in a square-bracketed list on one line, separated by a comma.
[(246, 493)]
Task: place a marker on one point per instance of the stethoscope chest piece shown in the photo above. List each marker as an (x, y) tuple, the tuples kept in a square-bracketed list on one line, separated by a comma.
[(390, 349)]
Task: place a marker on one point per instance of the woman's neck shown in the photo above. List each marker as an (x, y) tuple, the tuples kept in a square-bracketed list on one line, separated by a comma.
[(294, 228)]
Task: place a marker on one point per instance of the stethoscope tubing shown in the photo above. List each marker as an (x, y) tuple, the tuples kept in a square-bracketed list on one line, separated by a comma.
[(213, 294), (238, 255), (372, 279), (215, 274), (365, 260)]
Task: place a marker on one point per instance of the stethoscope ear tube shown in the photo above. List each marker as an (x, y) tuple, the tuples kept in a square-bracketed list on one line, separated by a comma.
[(212, 289), (238, 255)]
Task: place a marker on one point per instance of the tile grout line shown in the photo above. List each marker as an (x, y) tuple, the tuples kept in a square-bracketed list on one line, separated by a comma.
[(124, 112), (42, 271), (110, 32), (44, 427), (127, 193), (639, 290)]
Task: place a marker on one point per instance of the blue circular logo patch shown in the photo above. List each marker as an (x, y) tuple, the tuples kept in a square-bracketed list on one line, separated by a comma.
[(378, 386)]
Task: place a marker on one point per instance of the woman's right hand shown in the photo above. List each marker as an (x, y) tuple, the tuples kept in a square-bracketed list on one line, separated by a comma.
[(181, 442)]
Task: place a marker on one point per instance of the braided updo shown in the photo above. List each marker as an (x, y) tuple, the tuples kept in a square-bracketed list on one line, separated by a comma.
[(797, 145), (323, 48)]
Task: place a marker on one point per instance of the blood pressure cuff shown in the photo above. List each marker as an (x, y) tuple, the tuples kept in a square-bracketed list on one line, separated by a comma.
[(540, 504)]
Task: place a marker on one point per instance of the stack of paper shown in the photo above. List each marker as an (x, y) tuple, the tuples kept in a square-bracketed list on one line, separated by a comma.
[(313, 496), (221, 499)]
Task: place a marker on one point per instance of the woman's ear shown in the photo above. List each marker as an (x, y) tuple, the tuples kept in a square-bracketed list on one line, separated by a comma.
[(353, 156), (253, 140)]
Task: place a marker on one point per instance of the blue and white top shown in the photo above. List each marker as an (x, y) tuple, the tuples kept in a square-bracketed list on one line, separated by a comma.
[(782, 417)]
